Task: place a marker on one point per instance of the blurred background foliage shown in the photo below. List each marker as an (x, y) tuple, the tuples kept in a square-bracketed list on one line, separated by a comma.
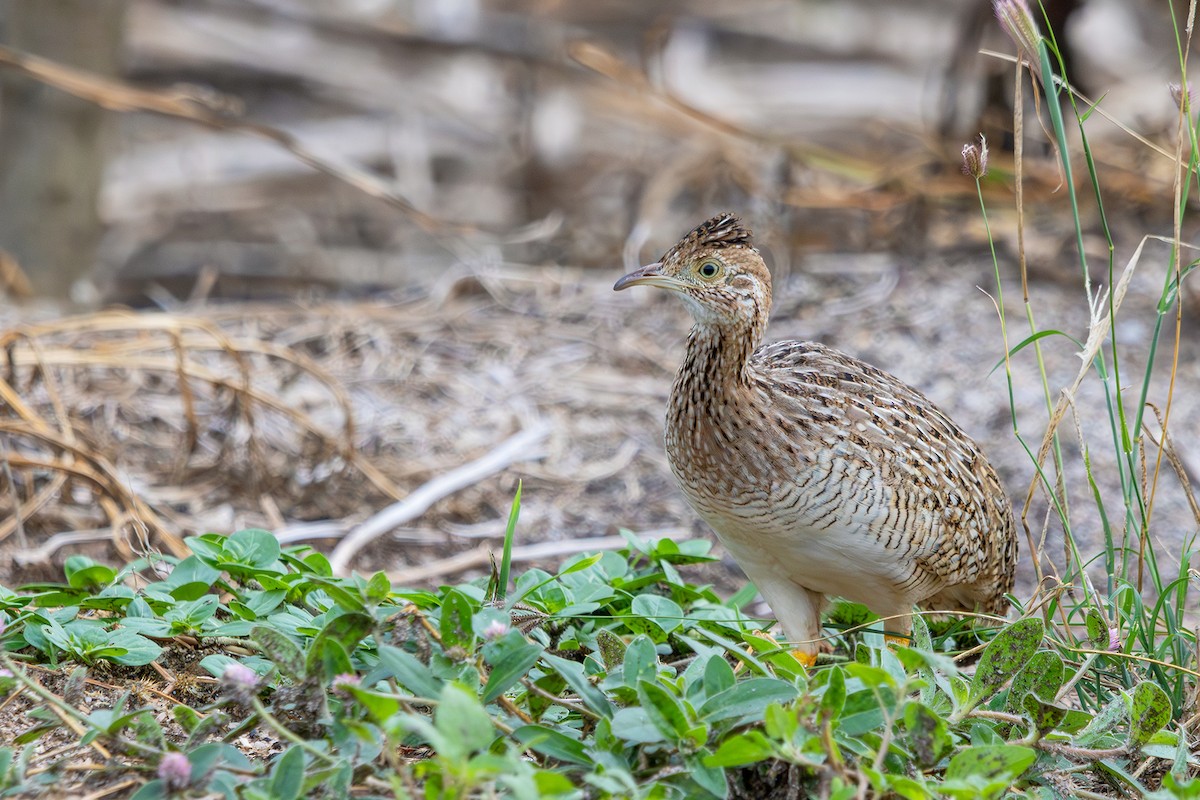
[(529, 131)]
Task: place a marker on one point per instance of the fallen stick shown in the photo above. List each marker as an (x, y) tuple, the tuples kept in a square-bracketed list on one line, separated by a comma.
[(515, 448)]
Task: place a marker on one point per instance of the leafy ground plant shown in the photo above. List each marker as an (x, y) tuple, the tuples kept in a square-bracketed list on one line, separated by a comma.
[(614, 677)]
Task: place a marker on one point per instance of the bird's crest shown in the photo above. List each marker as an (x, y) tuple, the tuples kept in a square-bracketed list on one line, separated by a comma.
[(723, 230)]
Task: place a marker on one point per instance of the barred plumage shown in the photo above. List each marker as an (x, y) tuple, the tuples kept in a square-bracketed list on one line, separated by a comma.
[(821, 474)]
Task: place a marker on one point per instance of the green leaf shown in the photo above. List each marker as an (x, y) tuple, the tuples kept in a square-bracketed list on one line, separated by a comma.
[(920, 634), (287, 776), (346, 599), (1028, 340), (664, 711), (511, 657), (380, 707), (1097, 630), (137, 650), (1013, 646), (514, 513), (378, 587), (991, 764), (662, 611), (926, 733), (252, 547), (633, 724), (641, 662), (334, 660), (1042, 675), (834, 698), (718, 675), (276, 646), (409, 672), (1044, 716), (191, 579), (460, 718), (572, 673), (455, 625), (153, 790), (741, 749), (84, 573), (611, 647), (781, 722), (186, 717), (1150, 710), (709, 778), (746, 700), (553, 743), (347, 629)]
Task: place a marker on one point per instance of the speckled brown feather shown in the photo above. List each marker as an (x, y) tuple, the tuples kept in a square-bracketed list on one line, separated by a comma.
[(820, 473)]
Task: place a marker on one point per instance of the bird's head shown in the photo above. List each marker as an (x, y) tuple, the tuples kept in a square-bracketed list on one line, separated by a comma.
[(717, 272)]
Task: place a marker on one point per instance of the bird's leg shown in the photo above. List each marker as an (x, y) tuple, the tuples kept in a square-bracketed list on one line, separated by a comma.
[(799, 613), (900, 633)]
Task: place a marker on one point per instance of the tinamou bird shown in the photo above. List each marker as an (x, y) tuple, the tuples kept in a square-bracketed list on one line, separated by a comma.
[(821, 474)]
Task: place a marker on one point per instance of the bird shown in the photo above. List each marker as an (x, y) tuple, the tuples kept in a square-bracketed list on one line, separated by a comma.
[(819, 473)]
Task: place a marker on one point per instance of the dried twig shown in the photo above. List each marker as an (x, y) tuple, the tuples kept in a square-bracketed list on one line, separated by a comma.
[(515, 448)]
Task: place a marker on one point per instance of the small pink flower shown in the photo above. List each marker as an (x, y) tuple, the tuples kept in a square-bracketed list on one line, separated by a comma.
[(1114, 639), (343, 682), (494, 630), (175, 771), (239, 683)]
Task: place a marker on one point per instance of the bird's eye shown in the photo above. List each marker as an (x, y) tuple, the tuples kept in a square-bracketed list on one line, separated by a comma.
[(708, 270)]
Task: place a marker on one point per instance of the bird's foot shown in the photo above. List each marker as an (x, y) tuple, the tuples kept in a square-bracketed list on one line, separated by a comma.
[(807, 659)]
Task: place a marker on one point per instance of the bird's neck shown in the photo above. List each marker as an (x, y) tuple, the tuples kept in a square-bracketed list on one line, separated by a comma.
[(718, 356)]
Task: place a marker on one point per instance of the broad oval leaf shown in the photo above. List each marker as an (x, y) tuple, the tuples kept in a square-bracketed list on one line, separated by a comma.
[(926, 733), (280, 649), (641, 662), (553, 743), (718, 675), (409, 672), (991, 763), (287, 776), (834, 698), (662, 611), (1097, 630), (252, 547), (1150, 710), (746, 700), (346, 629), (664, 710), (1004, 656), (460, 717), (746, 748), (511, 657), (1042, 675), (137, 649), (1045, 716)]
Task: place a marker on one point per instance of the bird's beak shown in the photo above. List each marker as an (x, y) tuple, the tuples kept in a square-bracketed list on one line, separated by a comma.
[(649, 275)]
